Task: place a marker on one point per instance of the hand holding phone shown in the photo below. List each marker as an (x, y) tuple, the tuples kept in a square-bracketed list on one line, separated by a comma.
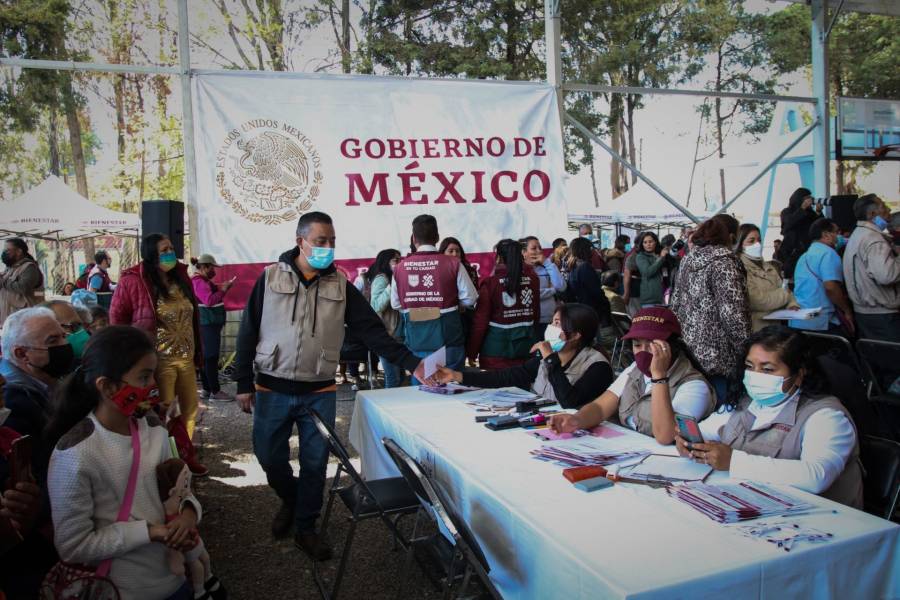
[(688, 428)]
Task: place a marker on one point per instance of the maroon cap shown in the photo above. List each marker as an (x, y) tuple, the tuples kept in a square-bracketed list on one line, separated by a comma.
[(656, 323)]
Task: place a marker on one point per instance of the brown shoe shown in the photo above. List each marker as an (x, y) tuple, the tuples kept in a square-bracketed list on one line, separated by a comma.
[(314, 546)]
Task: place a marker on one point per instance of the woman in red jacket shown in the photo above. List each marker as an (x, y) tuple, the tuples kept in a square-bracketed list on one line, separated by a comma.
[(509, 304), (156, 296)]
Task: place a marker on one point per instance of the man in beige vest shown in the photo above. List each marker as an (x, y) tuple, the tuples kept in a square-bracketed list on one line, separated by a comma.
[(22, 284), (288, 349)]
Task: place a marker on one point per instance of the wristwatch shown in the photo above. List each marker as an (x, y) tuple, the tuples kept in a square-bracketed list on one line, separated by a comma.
[(660, 380)]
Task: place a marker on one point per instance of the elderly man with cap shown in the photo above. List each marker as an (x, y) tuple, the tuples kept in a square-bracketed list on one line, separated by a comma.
[(211, 302), (663, 380)]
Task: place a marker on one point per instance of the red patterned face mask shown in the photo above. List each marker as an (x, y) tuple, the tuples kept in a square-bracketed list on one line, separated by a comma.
[(132, 399)]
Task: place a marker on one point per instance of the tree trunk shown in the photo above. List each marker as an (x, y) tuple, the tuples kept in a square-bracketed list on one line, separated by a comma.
[(274, 34), (345, 35), (74, 126), (594, 183), (632, 150), (623, 152), (53, 142), (615, 131), (720, 142), (512, 21)]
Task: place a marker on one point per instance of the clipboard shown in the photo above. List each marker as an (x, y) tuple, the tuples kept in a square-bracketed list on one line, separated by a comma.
[(654, 468)]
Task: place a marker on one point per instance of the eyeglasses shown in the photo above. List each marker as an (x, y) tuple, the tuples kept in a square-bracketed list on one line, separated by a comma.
[(71, 327)]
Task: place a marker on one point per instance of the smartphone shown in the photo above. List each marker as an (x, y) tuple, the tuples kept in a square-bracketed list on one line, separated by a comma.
[(20, 461), (688, 428)]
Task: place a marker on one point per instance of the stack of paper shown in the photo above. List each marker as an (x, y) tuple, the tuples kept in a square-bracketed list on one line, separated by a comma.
[(500, 399), (587, 451), (673, 469), (730, 503)]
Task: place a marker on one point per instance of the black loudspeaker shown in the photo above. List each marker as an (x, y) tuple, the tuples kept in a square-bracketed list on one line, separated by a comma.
[(166, 217), (842, 211)]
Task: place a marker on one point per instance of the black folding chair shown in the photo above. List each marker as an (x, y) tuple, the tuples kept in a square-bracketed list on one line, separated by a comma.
[(881, 365), (462, 549), (376, 499), (621, 323), (881, 483), (836, 346)]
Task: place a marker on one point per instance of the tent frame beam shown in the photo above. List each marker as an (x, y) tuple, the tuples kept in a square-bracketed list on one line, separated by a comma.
[(597, 140), (769, 166), (651, 91)]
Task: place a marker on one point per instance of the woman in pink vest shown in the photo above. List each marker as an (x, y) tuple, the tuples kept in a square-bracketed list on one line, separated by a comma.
[(783, 427), (509, 305)]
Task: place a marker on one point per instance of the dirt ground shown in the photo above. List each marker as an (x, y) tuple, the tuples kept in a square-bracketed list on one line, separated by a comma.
[(238, 510)]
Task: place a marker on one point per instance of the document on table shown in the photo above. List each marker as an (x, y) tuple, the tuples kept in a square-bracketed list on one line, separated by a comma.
[(786, 315), (671, 468), (435, 360)]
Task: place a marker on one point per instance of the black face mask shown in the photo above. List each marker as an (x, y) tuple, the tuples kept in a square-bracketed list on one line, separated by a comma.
[(62, 359), (6, 258)]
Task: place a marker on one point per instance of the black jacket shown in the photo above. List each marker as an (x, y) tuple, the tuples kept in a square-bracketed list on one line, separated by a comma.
[(359, 318), (585, 287), (594, 382), (795, 222)]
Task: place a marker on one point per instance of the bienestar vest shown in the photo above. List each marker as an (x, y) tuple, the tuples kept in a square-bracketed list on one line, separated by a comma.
[(429, 300), (783, 438), (302, 328)]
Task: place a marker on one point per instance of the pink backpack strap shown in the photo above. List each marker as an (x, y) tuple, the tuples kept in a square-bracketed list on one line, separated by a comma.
[(128, 500)]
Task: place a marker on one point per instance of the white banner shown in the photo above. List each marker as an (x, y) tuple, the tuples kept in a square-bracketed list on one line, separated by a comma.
[(485, 158)]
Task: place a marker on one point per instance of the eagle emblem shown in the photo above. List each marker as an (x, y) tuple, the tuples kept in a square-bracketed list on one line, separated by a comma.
[(270, 176)]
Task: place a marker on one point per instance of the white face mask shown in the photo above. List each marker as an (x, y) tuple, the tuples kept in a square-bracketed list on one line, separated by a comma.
[(553, 335), (754, 250)]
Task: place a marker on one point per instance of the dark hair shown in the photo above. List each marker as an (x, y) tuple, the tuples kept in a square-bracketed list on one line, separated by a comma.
[(863, 206), (797, 198), (306, 221), (447, 241), (110, 353), (68, 283), (579, 318), (21, 245), (100, 256), (668, 240), (382, 265), (559, 242), (711, 233), (743, 231), (150, 258), (581, 249), (730, 223), (611, 279), (425, 230), (794, 350), (644, 235), (98, 312), (821, 226), (509, 252), (621, 239), (525, 240)]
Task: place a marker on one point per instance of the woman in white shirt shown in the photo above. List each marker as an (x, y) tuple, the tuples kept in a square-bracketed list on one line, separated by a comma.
[(783, 429), (662, 381), (99, 408)]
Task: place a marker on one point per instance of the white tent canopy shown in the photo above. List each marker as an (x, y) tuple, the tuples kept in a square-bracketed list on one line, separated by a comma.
[(54, 211), (640, 205)]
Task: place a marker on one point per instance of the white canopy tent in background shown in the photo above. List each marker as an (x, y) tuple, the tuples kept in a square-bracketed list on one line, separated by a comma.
[(53, 211)]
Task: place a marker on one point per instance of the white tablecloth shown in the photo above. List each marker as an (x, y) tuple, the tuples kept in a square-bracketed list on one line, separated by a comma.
[(546, 539)]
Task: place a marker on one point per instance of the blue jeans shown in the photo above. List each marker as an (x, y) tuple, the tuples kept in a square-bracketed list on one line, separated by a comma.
[(274, 417), (393, 374), (456, 358)]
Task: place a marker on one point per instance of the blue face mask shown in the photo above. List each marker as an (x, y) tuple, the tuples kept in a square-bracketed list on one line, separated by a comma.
[(841, 242), (880, 223), (321, 258), (764, 389), (167, 261)]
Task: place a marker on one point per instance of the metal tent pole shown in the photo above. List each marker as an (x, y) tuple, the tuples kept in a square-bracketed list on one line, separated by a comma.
[(189, 193), (552, 16), (596, 139), (819, 43)]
